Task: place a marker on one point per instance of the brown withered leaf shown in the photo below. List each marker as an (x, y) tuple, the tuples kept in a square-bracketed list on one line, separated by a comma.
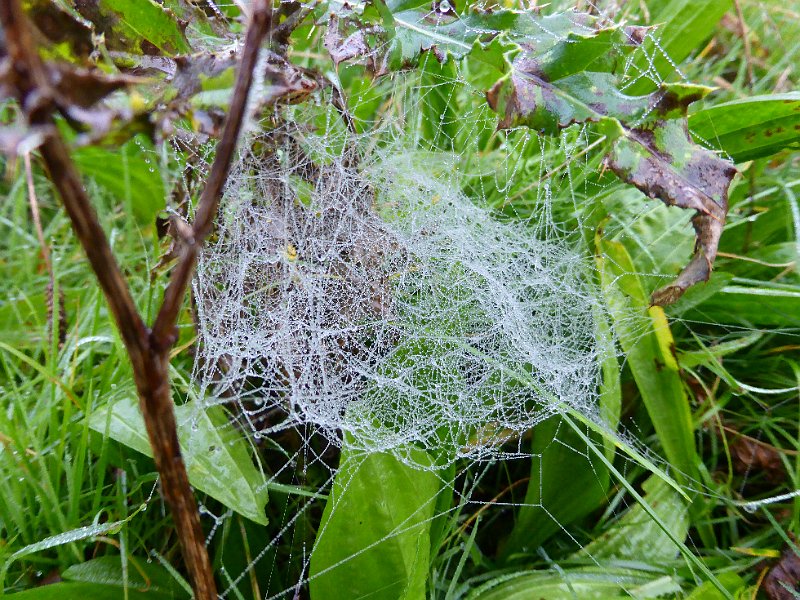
[(59, 24), (663, 162), (85, 87), (77, 93), (783, 580), (751, 457), (344, 48)]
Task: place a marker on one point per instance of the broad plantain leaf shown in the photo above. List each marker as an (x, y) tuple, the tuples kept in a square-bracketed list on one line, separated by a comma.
[(217, 458), (637, 536), (95, 591), (586, 583), (374, 538), (143, 575), (553, 501)]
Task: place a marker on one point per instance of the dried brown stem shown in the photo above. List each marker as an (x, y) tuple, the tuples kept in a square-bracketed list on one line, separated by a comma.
[(37, 220), (164, 333), (148, 351)]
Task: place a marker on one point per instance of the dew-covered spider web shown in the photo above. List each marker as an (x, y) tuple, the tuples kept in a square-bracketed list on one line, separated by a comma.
[(395, 288)]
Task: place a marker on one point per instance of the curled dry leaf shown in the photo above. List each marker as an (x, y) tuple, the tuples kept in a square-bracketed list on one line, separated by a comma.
[(783, 580), (751, 457), (81, 87), (344, 48), (76, 92), (664, 163)]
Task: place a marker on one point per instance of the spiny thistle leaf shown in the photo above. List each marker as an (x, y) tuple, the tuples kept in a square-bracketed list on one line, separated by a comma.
[(549, 89)]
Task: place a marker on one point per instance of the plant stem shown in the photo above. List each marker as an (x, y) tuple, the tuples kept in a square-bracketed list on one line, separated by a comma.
[(148, 350)]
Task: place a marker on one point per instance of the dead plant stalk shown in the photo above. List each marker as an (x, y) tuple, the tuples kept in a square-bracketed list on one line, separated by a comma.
[(148, 348)]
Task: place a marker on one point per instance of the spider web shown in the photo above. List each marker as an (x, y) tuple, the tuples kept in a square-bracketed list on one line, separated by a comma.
[(386, 286)]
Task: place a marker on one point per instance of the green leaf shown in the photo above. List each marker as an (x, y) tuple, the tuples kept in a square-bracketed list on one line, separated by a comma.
[(752, 303), (142, 575), (28, 310), (645, 337), (553, 501), (589, 583), (410, 34), (374, 538), (710, 355), (136, 26), (127, 175), (638, 536), (751, 128), (60, 539), (487, 63), (708, 591), (644, 334), (95, 591), (440, 121), (217, 458)]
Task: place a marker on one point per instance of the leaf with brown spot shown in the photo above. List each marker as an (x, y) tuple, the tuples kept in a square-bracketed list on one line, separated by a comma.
[(751, 128), (85, 87)]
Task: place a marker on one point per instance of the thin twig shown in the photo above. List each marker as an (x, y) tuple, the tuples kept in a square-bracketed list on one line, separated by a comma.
[(148, 352), (164, 334), (748, 54), (37, 220), (56, 317)]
